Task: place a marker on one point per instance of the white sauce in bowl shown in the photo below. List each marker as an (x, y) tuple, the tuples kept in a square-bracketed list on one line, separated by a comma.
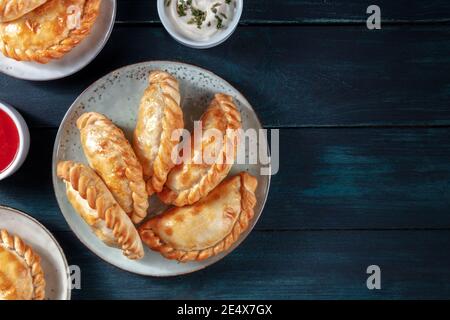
[(200, 20)]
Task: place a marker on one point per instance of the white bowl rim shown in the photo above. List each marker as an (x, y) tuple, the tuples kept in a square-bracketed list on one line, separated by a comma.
[(214, 41), (55, 179), (24, 139)]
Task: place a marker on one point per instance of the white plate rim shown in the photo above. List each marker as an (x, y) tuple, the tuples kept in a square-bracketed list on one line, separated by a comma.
[(84, 65), (55, 179), (61, 251)]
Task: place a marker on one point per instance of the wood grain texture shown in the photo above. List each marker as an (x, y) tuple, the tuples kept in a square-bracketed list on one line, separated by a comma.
[(288, 265), (328, 179), (311, 76), (364, 169), (307, 11)]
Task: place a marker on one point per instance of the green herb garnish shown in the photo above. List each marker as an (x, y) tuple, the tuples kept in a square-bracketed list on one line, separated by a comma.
[(199, 16), (219, 22), (183, 6)]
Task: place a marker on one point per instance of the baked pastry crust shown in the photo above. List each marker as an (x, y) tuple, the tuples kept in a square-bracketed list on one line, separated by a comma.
[(91, 198), (189, 182), (110, 154), (159, 116), (21, 275), (13, 9), (206, 228), (49, 31)]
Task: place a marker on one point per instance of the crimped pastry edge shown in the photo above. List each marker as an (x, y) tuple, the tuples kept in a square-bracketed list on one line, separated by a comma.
[(115, 218), (248, 202), (133, 172), (32, 260), (57, 51), (172, 120), (217, 171)]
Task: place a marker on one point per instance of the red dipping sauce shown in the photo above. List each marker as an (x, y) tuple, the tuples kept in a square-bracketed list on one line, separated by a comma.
[(9, 140)]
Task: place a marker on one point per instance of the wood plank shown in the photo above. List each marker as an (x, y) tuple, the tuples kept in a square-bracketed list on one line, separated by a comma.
[(338, 76), (288, 265), (307, 11), (328, 179), (361, 178)]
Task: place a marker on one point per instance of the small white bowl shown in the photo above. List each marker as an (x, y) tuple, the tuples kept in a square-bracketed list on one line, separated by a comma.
[(219, 38), (24, 140)]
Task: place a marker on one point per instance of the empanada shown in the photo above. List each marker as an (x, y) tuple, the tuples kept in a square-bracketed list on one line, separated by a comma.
[(110, 154), (206, 228), (159, 116), (190, 181), (49, 31), (21, 275), (14, 9), (93, 201)]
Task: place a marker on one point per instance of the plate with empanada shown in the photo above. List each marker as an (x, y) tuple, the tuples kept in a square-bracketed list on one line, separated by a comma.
[(153, 171), (51, 39), (32, 264)]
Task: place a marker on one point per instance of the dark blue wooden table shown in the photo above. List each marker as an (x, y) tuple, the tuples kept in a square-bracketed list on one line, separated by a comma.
[(365, 150)]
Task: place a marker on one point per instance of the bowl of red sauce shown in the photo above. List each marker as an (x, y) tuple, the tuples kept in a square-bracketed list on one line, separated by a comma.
[(14, 140)]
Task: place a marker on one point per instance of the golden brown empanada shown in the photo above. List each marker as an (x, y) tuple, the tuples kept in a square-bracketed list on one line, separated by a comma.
[(206, 228), (14, 9), (110, 154), (21, 275), (159, 116), (91, 198), (189, 182), (49, 31)]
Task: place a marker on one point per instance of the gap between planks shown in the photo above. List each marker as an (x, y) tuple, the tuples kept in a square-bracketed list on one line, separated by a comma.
[(312, 22), (408, 229), (327, 126)]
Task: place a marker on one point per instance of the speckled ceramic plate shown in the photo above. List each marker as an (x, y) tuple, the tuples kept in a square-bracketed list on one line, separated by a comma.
[(72, 62), (117, 95), (53, 261)]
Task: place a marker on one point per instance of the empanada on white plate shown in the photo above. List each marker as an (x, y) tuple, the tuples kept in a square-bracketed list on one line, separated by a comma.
[(110, 154), (93, 201), (159, 116), (14, 9), (49, 31), (206, 228), (21, 275), (192, 180)]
